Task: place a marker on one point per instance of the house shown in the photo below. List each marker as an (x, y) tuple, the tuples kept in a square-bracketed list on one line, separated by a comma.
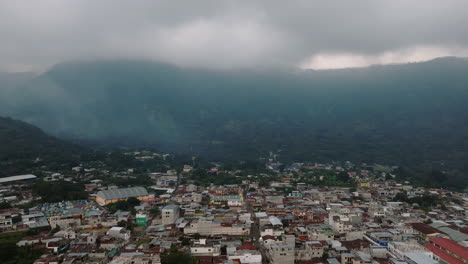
[(246, 256)]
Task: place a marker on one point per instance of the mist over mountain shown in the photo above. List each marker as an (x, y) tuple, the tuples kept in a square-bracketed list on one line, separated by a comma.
[(398, 114)]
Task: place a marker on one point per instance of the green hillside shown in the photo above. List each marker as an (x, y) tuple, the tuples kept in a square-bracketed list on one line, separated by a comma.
[(399, 114), (24, 147)]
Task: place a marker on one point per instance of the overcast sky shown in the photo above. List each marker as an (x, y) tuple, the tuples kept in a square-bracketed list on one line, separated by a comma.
[(232, 34)]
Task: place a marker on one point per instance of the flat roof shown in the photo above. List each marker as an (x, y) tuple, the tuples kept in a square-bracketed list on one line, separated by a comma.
[(18, 178)]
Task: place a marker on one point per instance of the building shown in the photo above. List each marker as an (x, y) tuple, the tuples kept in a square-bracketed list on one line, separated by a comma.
[(119, 232), (26, 177), (204, 248), (247, 256), (282, 254), (424, 232), (64, 221), (230, 200), (169, 214), (208, 227), (141, 219), (6, 219), (112, 196), (447, 251)]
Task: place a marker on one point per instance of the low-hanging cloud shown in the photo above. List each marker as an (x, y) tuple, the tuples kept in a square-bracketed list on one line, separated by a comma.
[(231, 34), (328, 61)]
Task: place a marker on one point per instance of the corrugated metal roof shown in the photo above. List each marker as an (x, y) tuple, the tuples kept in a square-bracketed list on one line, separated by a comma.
[(275, 220), (122, 193), (18, 178), (455, 235)]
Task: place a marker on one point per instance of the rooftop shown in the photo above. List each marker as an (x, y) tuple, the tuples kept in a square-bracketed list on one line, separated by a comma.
[(123, 193), (451, 246), (18, 178)]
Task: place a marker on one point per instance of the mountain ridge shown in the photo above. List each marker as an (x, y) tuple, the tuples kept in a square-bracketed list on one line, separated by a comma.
[(374, 114)]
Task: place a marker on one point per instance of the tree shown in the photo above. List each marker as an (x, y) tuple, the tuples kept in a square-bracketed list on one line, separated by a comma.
[(154, 211), (132, 201), (59, 191), (16, 219), (343, 177), (185, 241), (126, 224), (401, 197), (174, 256), (224, 250), (5, 205)]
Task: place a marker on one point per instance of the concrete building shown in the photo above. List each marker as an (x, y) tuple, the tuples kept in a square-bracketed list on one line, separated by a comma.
[(207, 227), (246, 256), (202, 248), (119, 232), (282, 253), (169, 214), (310, 250), (64, 221)]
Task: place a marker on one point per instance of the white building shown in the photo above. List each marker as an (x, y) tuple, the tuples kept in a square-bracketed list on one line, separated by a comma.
[(201, 248), (169, 214), (247, 256), (119, 232)]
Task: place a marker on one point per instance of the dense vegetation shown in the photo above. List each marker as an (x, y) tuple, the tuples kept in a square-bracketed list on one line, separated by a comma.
[(24, 147), (11, 254), (124, 205), (425, 202), (411, 115), (175, 256), (58, 191)]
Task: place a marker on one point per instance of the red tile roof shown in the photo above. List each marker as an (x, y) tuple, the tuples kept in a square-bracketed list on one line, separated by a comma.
[(451, 246), (247, 246), (443, 255)]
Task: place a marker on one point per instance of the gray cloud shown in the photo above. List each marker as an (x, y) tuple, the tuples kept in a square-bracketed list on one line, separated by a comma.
[(230, 34)]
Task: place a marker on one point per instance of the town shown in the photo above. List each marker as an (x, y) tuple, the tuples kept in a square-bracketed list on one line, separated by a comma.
[(334, 213)]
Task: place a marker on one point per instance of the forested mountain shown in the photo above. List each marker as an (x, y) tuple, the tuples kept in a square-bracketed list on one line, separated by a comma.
[(396, 114), (24, 147)]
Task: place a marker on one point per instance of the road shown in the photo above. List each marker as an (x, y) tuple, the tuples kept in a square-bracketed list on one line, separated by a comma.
[(255, 234)]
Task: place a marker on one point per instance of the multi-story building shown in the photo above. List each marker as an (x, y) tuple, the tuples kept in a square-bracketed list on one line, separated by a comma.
[(169, 214), (281, 253)]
